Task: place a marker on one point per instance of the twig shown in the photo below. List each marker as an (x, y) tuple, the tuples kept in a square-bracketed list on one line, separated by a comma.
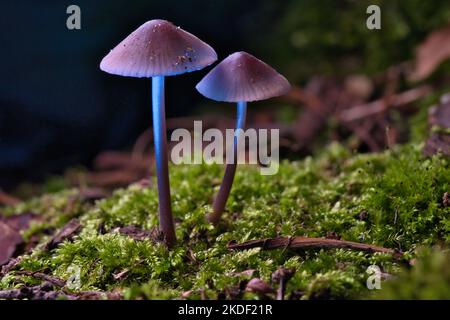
[(42, 276), (306, 243), (72, 228), (10, 265), (45, 292), (379, 106), (14, 294)]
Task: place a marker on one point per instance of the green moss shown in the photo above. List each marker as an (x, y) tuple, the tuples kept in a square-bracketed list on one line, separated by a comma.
[(399, 191), (418, 124), (429, 278)]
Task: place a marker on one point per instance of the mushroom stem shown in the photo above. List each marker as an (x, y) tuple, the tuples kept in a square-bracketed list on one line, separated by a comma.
[(162, 168), (230, 170), (281, 289)]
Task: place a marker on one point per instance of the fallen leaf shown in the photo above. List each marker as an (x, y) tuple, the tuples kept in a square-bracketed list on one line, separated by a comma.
[(431, 53), (66, 233), (21, 221), (10, 239), (10, 234)]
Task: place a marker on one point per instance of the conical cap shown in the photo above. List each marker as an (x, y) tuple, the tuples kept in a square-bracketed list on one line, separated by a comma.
[(242, 77), (158, 48)]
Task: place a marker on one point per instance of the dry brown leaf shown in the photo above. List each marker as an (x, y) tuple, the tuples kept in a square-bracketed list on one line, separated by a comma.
[(431, 53), (10, 236), (9, 240)]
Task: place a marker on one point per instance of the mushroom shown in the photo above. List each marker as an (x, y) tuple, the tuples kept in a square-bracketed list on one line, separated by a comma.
[(282, 276), (257, 285), (158, 49), (239, 78)]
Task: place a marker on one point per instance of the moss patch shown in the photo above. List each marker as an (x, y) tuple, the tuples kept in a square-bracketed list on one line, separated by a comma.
[(391, 199)]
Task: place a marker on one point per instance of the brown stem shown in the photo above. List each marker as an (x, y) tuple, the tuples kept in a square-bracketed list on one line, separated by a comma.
[(281, 289), (306, 243), (224, 191), (42, 276)]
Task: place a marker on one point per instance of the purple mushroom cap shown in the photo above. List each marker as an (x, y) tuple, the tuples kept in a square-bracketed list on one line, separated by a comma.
[(158, 48), (242, 77)]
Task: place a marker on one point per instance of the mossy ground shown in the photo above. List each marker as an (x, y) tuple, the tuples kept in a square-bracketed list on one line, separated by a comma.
[(399, 191)]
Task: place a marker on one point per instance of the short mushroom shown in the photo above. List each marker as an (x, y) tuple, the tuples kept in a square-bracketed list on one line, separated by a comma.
[(282, 276), (257, 285), (239, 78), (158, 49)]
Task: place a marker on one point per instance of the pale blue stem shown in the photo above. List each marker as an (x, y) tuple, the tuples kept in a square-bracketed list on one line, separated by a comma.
[(240, 121), (162, 166), (222, 196)]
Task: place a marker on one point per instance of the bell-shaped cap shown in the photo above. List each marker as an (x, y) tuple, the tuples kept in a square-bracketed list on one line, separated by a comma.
[(158, 48), (242, 77)]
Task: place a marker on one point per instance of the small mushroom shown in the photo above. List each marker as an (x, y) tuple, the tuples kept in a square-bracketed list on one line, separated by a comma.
[(239, 78), (158, 49), (257, 285), (282, 276)]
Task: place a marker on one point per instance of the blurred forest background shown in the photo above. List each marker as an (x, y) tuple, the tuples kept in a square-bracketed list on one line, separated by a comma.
[(365, 88)]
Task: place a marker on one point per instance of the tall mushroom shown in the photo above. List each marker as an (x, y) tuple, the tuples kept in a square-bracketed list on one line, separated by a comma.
[(239, 78), (158, 49)]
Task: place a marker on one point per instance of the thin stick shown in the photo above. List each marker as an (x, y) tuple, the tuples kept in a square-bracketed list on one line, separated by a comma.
[(230, 170), (379, 106), (42, 276), (307, 243), (162, 166)]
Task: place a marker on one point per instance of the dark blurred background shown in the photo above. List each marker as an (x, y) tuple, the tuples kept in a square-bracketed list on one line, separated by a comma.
[(57, 109)]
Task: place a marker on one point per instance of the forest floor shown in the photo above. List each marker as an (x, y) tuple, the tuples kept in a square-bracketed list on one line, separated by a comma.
[(83, 243)]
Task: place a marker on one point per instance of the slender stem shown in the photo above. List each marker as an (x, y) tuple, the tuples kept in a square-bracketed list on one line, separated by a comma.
[(162, 167), (281, 289), (230, 170)]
